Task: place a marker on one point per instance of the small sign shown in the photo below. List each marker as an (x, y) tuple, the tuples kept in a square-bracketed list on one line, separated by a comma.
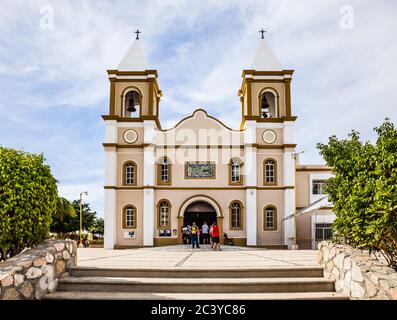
[(165, 233), (129, 234), (174, 232)]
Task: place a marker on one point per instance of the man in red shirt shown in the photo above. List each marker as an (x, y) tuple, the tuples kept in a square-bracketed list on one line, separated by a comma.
[(215, 236)]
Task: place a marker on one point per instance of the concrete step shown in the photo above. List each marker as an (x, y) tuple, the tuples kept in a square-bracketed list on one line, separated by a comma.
[(192, 285), (290, 272), (93, 295)]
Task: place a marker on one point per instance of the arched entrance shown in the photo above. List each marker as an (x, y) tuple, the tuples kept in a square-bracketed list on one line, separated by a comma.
[(199, 209), (199, 212)]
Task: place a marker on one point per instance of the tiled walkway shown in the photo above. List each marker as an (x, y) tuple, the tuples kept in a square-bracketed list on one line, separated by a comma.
[(183, 256)]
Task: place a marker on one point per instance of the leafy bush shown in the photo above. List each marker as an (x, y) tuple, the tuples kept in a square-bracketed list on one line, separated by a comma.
[(28, 196), (364, 190)]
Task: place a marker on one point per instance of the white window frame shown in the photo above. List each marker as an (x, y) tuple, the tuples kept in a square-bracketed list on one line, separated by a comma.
[(130, 174), (236, 171), (317, 176)]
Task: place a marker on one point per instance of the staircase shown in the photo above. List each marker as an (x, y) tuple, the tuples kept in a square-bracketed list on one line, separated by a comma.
[(297, 283)]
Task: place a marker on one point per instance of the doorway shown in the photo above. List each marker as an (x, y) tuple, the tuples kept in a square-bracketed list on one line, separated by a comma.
[(199, 212)]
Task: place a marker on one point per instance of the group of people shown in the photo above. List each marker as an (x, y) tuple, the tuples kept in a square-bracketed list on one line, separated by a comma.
[(208, 234)]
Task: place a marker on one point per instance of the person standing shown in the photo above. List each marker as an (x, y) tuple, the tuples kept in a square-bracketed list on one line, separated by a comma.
[(194, 232), (211, 237), (204, 233), (189, 235), (215, 237)]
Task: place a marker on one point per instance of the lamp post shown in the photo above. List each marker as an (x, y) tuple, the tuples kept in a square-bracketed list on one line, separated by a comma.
[(295, 155), (81, 217)]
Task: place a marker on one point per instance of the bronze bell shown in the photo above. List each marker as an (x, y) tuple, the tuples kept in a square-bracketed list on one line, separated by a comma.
[(265, 108), (131, 105)]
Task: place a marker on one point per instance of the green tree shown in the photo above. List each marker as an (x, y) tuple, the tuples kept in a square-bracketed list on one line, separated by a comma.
[(98, 227), (28, 197), (69, 224), (364, 190), (64, 208)]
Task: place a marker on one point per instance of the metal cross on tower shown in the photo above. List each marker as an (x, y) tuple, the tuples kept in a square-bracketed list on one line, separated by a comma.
[(137, 34), (263, 33)]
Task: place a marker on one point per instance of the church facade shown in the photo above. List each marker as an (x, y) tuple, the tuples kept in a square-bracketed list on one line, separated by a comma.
[(248, 180)]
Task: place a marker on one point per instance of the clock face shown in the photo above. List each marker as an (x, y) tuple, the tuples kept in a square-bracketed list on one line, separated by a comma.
[(269, 136), (130, 136)]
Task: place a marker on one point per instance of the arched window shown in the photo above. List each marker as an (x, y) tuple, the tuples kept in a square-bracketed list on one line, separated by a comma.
[(132, 104), (268, 105), (270, 218), (235, 176), (164, 171), (129, 217), (270, 171), (130, 174), (164, 212), (236, 215)]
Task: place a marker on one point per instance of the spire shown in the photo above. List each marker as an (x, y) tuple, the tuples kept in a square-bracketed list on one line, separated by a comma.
[(135, 59), (264, 59)]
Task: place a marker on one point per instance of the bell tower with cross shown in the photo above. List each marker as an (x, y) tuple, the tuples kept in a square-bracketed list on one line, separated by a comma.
[(134, 90), (130, 146), (267, 121), (265, 92)]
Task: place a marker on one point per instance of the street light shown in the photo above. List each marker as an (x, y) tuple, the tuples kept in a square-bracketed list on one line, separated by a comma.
[(81, 217), (295, 155)]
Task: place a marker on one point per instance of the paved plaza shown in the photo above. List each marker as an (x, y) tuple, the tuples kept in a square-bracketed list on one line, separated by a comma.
[(183, 256)]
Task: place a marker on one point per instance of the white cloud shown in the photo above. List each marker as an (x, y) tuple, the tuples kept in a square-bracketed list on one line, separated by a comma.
[(344, 78)]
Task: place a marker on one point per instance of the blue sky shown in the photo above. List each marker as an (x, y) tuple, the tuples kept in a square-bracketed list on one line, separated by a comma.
[(54, 85)]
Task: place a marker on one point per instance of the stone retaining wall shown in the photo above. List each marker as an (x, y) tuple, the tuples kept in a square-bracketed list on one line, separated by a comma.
[(33, 273), (356, 273)]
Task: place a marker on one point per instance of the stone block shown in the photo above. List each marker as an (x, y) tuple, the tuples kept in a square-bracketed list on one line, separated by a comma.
[(65, 255), (6, 279), (319, 256), (33, 273), (332, 252), (375, 276), (39, 262), (52, 286), (393, 293), (25, 263), (370, 289), (325, 252), (347, 279), (26, 290), (347, 264), (357, 290), (335, 272), (384, 285), (18, 279), (59, 246), (338, 261), (48, 271), (59, 267), (11, 294), (49, 258), (43, 283), (329, 266), (357, 273)]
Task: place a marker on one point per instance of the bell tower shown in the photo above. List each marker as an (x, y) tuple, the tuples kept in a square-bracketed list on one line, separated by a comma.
[(134, 91), (267, 121), (130, 137), (265, 92)]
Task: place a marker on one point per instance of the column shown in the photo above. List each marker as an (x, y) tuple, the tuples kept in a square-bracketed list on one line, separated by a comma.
[(289, 184), (250, 182), (110, 184), (148, 182)]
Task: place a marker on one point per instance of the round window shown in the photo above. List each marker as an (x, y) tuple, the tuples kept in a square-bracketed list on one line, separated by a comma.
[(130, 136)]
